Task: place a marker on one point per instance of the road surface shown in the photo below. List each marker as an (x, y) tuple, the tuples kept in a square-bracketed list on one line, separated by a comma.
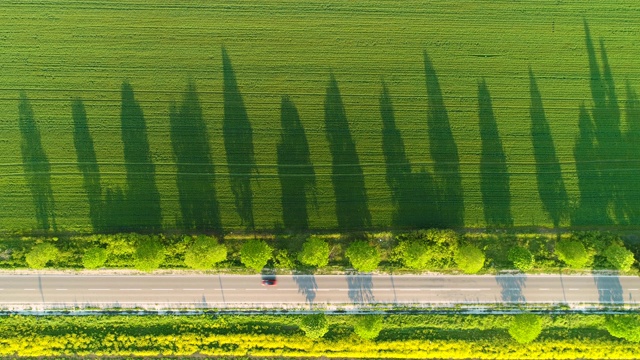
[(49, 291)]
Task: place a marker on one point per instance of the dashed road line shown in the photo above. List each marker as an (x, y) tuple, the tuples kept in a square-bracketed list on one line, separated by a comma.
[(62, 289), (29, 289), (256, 289), (131, 289), (99, 289), (193, 289), (543, 289), (161, 289), (574, 289)]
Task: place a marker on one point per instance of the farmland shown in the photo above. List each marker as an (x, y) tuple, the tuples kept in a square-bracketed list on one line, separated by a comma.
[(475, 113)]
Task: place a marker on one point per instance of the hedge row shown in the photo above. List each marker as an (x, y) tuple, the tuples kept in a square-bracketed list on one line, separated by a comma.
[(354, 336), (439, 250)]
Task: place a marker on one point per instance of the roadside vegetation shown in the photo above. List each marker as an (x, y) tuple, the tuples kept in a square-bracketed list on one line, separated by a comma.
[(341, 336), (419, 251)]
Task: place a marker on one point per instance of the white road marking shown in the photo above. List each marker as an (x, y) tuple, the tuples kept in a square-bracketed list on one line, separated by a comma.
[(193, 289), (629, 289), (411, 289), (29, 289), (99, 289), (288, 289), (256, 289), (161, 289), (574, 289), (543, 289), (61, 289), (131, 289)]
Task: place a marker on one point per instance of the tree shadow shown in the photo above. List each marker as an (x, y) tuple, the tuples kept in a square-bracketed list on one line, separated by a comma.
[(444, 153), (549, 175), (511, 288), (494, 175), (411, 193), (196, 173), (238, 143), (609, 289), (307, 286), (142, 196), (296, 173), (88, 164), (348, 180), (360, 288), (632, 193), (37, 170)]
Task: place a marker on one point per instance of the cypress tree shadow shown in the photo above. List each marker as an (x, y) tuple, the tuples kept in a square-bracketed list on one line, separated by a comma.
[(512, 287), (549, 175), (114, 210), (444, 153), (238, 143), (348, 180), (494, 175), (593, 198), (87, 164), (307, 286), (37, 170), (196, 173), (142, 196), (297, 177), (609, 289), (411, 193), (606, 120), (632, 110)]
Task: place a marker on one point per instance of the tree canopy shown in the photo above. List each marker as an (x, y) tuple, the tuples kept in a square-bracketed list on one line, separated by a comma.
[(363, 257), (470, 259), (255, 254), (525, 328), (315, 252), (204, 253), (315, 325), (41, 254), (150, 253), (521, 258), (573, 253), (624, 326), (619, 257), (368, 326), (94, 258)]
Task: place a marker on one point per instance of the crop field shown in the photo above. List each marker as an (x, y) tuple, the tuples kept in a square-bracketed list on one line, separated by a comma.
[(270, 114)]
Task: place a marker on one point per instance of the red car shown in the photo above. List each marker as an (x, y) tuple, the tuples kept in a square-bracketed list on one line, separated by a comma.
[(269, 282)]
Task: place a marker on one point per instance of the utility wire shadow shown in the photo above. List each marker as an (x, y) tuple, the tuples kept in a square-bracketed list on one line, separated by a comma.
[(37, 170)]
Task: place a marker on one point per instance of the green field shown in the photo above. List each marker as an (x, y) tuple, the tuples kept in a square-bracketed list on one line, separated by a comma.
[(473, 165)]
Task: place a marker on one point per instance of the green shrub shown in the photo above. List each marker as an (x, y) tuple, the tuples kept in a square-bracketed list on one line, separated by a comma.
[(426, 249), (368, 326), (315, 325), (315, 252), (255, 254), (363, 257), (283, 260), (619, 257), (204, 253), (525, 328), (414, 254), (521, 258), (94, 258), (573, 253), (41, 254), (470, 259), (150, 253), (624, 326)]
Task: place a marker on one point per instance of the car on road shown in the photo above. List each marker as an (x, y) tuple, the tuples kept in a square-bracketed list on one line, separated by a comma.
[(269, 282)]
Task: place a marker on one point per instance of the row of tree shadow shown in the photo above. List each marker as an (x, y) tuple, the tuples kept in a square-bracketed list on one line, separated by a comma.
[(606, 162)]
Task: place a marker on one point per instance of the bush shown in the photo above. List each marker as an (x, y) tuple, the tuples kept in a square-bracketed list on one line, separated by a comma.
[(521, 258), (315, 252), (204, 253), (426, 249), (363, 257), (150, 253), (525, 328), (414, 254), (624, 326), (314, 326), (255, 254), (573, 253), (368, 326), (94, 258), (283, 260), (470, 259), (619, 257), (41, 254)]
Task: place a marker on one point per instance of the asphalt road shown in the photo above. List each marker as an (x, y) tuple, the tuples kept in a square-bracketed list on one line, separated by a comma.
[(238, 290)]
